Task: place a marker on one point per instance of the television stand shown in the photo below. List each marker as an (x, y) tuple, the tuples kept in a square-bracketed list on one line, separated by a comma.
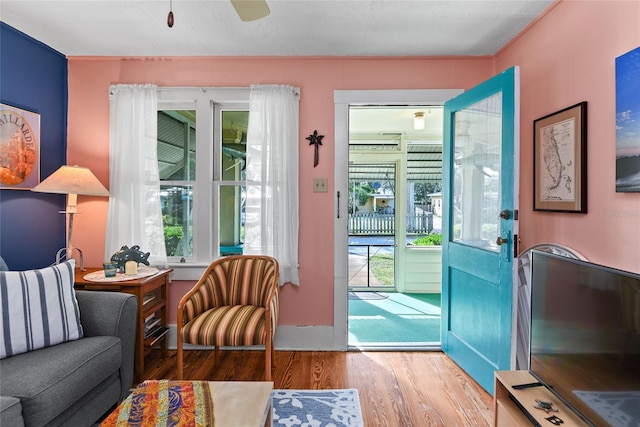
[(517, 407)]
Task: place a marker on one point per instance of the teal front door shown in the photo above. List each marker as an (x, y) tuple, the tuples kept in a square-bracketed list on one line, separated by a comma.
[(480, 181)]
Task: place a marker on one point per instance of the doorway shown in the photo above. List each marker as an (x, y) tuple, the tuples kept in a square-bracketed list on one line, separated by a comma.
[(394, 235), (372, 230), (343, 100)]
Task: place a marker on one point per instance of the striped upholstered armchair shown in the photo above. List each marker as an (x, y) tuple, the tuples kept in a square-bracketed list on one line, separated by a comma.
[(235, 303)]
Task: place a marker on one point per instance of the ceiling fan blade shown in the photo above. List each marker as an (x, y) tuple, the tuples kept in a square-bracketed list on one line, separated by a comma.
[(250, 10)]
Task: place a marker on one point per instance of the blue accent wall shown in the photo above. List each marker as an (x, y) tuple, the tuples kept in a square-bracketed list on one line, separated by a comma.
[(33, 77)]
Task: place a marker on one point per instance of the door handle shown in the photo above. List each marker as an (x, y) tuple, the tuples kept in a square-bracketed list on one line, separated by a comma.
[(501, 241), (505, 214)]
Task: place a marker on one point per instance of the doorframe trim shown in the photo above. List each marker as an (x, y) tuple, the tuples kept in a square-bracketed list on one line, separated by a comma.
[(343, 99)]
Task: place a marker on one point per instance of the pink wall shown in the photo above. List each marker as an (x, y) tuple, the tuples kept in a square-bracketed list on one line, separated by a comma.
[(567, 57), (88, 139)]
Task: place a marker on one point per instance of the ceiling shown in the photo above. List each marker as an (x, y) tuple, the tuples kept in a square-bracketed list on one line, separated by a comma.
[(383, 129), (373, 124), (293, 28)]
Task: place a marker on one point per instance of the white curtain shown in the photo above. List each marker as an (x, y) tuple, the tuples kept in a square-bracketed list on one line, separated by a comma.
[(134, 216), (271, 208)]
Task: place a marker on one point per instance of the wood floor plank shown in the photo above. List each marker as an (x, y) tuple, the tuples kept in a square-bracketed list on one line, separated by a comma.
[(417, 389), (396, 389), (375, 398)]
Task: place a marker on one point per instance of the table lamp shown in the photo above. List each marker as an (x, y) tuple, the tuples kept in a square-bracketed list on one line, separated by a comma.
[(71, 180)]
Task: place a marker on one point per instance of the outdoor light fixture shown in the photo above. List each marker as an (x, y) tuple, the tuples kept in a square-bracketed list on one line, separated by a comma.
[(418, 120), (71, 180)]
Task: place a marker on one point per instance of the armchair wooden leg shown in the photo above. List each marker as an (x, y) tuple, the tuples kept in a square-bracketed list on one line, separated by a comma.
[(273, 355), (268, 351), (179, 356)]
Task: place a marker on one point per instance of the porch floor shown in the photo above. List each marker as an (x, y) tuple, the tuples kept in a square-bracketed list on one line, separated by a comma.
[(393, 320)]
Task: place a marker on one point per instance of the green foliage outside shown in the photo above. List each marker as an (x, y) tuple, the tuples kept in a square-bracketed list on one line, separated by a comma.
[(382, 268), (172, 238), (431, 239), (362, 193), (421, 189), (173, 235)]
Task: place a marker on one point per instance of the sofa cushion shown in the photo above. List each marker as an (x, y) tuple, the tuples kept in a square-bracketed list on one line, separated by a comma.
[(50, 380), (10, 412), (39, 309)]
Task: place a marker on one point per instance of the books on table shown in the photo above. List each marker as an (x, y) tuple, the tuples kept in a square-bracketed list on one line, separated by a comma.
[(152, 326)]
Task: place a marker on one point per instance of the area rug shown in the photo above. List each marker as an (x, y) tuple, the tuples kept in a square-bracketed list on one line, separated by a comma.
[(620, 409), (397, 320), (316, 408), (163, 403)]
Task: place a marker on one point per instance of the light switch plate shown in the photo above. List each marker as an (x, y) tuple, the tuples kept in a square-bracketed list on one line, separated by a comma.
[(320, 185)]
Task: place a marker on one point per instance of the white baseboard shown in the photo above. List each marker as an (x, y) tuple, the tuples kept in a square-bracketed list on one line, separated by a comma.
[(299, 338)]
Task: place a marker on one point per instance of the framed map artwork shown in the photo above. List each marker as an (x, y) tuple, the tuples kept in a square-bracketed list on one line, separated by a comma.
[(560, 161), (628, 122), (19, 148)]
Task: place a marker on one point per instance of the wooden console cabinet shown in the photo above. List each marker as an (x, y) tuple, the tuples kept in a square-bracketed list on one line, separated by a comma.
[(156, 285), (517, 407)]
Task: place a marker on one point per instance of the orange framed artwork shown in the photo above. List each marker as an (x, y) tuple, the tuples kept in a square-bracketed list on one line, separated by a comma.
[(19, 148)]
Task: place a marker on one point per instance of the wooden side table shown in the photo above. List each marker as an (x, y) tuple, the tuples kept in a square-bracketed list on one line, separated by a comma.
[(152, 288)]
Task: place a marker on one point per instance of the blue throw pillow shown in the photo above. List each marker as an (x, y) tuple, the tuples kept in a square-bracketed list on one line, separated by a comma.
[(38, 308)]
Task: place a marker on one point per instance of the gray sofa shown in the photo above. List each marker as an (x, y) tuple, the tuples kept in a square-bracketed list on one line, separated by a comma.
[(77, 382)]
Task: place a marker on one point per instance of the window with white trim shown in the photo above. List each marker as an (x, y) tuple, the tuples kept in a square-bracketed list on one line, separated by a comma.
[(201, 159)]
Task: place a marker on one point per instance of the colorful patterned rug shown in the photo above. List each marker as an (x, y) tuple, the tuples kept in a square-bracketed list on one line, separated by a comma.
[(163, 403), (316, 408)]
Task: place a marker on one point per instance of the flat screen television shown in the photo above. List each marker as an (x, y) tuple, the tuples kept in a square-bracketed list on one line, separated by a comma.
[(585, 337)]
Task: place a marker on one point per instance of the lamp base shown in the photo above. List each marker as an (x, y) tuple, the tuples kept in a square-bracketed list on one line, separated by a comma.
[(65, 254)]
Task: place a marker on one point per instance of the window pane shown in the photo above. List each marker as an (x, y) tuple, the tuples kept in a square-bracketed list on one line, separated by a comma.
[(177, 145), (234, 144), (232, 218), (177, 219), (424, 192), (476, 179), (177, 162)]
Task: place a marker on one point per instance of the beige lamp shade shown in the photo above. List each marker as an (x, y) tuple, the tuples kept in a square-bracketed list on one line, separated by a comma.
[(72, 180)]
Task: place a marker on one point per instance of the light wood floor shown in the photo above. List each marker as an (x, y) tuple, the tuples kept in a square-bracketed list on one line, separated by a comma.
[(403, 389)]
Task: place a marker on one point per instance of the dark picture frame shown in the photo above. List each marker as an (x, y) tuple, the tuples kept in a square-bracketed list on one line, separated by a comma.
[(19, 148), (560, 161)]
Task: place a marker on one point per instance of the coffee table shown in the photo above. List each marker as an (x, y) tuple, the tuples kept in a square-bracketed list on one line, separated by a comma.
[(241, 403), (235, 404)]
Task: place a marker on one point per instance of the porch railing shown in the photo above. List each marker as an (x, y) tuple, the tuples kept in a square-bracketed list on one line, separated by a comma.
[(360, 265), (373, 223)]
